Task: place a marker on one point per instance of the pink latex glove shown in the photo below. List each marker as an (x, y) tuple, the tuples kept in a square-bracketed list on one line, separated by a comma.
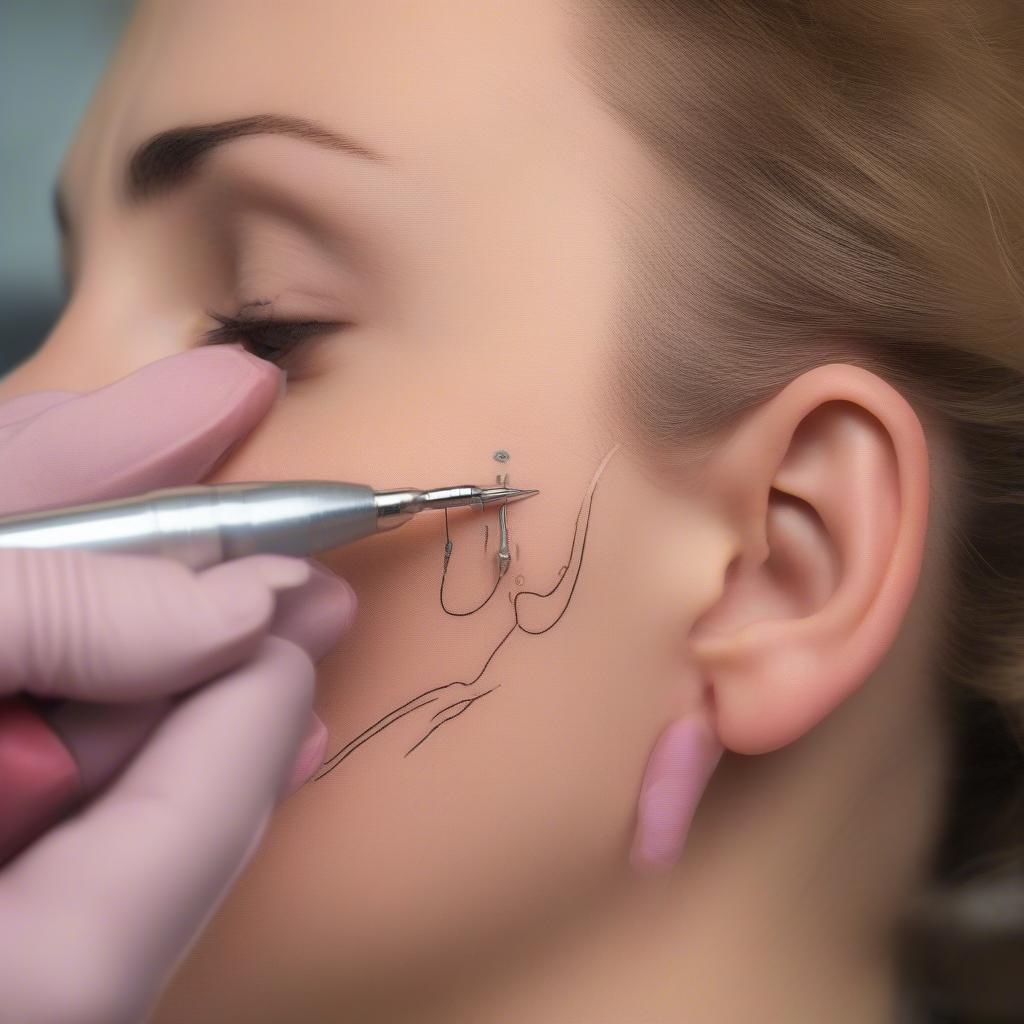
[(98, 911)]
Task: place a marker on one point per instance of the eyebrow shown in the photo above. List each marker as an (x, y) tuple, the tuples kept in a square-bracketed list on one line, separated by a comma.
[(170, 158)]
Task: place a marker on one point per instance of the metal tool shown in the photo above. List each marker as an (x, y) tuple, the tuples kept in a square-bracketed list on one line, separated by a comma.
[(204, 524)]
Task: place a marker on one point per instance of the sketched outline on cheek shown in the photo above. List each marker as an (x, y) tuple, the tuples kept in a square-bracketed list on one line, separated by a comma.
[(444, 572), (419, 702)]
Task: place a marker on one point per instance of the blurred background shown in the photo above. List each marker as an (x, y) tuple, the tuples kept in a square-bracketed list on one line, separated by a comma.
[(52, 53)]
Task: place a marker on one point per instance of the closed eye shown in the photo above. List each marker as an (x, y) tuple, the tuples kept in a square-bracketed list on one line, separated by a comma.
[(266, 338)]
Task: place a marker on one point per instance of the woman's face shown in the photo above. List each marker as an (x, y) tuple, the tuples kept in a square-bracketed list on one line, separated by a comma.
[(484, 766)]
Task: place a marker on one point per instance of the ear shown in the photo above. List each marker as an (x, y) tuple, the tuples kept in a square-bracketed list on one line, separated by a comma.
[(823, 492)]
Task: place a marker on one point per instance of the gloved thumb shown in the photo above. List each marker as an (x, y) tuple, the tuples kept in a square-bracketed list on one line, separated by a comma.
[(167, 424)]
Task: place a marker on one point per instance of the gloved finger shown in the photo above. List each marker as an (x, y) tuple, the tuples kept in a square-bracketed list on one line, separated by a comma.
[(32, 404), (113, 627), (317, 614), (117, 894), (312, 625), (49, 765), (38, 776), (101, 737), (167, 424), (51, 761), (310, 757)]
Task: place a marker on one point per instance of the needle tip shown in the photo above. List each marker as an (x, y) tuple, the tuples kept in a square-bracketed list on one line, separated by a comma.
[(490, 495)]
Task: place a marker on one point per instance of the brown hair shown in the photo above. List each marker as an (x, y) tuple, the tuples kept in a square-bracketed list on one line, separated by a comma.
[(843, 181)]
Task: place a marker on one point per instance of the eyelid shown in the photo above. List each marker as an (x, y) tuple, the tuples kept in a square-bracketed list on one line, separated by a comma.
[(266, 323), (275, 339), (293, 305)]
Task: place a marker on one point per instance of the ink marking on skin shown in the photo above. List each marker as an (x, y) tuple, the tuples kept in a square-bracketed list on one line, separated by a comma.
[(469, 702), (434, 694), (520, 580), (501, 455), (444, 576), (486, 534)]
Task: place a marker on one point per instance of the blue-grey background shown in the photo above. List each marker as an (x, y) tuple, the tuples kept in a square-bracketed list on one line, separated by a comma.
[(52, 54)]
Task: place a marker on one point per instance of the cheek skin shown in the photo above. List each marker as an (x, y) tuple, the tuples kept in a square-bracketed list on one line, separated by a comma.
[(547, 763), (397, 856)]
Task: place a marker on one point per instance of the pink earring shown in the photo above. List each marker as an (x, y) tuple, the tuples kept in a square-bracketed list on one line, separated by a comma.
[(678, 771)]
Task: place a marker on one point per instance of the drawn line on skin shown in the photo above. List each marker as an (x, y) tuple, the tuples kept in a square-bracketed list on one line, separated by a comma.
[(465, 700), (367, 734), (469, 702), (572, 590), (400, 712), (392, 716), (503, 558), (444, 574)]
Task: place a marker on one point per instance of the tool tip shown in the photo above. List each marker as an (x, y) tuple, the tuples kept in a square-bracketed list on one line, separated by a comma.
[(505, 494)]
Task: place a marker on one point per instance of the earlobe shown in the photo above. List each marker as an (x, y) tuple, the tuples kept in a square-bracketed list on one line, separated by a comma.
[(831, 482)]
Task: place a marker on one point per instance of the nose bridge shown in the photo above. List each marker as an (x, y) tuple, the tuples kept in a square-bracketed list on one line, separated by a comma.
[(75, 354), (100, 334), (69, 358), (112, 276), (103, 332), (129, 305), (116, 318)]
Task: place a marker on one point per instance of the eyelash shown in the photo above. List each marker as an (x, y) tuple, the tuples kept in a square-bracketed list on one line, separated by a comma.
[(265, 337)]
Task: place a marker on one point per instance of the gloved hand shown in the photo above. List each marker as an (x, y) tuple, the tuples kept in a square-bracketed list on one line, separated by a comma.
[(96, 913)]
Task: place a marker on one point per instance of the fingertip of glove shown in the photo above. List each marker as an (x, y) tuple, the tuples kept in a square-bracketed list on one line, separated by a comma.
[(241, 609), (338, 595), (235, 353), (243, 590), (281, 572)]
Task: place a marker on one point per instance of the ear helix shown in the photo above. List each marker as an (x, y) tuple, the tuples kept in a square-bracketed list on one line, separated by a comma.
[(678, 771)]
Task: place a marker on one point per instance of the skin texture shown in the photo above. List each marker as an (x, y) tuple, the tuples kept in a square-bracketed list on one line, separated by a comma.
[(486, 876)]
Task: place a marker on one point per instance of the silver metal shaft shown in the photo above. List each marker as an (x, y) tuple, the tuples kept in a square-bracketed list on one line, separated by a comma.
[(202, 525)]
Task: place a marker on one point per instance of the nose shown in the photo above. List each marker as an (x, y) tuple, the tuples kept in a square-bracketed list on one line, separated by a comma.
[(87, 347)]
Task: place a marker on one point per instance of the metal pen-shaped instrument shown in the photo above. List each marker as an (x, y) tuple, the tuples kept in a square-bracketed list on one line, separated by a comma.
[(205, 524)]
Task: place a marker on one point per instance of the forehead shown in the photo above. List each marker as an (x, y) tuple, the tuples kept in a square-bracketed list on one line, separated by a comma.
[(429, 84)]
